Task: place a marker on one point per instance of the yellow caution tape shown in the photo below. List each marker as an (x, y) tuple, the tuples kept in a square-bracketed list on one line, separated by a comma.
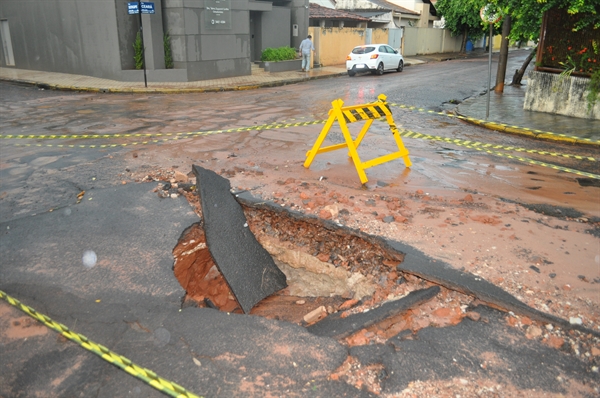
[(486, 148), (538, 163), (177, 135), (146, 375), (282, 125), (505, 127), (412, 134), (287, 124)]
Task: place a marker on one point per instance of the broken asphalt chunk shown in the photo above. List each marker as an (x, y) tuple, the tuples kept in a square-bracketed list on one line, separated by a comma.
[(337, 327), (247, 267)]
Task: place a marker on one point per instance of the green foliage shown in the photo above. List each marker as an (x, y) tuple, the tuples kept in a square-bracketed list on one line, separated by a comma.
[(168, 54), (594, 93), (568, 49), (526, 18), (139, 52), (278, 54), (462, 16), (527, 15)]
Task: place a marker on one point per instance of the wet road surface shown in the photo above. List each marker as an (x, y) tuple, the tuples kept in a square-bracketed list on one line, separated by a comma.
[(459, 204)]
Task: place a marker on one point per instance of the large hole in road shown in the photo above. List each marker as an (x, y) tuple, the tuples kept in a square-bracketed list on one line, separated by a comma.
[(328, 269)]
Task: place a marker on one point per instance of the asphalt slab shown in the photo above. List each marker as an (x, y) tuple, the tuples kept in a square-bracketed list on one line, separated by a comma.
[(247, 267)]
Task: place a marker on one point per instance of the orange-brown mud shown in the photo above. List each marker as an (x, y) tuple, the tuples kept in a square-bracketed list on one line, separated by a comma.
[(468, 213)]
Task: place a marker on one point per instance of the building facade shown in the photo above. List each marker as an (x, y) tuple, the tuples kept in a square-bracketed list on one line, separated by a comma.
[(208, 38)]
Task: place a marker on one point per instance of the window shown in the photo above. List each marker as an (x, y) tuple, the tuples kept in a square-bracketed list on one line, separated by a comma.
[(363, 50)]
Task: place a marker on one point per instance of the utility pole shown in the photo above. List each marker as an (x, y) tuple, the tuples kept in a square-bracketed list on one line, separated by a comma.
[(143, 47)]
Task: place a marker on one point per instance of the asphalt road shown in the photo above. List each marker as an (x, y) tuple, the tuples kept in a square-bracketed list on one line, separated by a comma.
[(130, 302), (29, 164)]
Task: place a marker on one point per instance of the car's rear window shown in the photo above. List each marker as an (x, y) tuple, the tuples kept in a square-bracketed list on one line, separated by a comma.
[(363, 50)]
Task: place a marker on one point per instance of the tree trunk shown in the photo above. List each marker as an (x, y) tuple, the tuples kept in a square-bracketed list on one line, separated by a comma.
[(463, 45), (516, 80), (501, 73)]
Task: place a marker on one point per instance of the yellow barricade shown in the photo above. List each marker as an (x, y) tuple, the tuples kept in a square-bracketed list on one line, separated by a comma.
[(356, 113)]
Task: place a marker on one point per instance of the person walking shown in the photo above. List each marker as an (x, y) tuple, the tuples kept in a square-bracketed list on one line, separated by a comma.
[(305, 48)]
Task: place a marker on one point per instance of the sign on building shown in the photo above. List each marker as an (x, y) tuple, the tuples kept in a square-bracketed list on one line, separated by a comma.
[(217, 14)]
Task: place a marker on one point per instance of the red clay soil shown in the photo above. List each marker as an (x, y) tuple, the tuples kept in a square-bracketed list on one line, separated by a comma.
[(198, 274), (205, 286)]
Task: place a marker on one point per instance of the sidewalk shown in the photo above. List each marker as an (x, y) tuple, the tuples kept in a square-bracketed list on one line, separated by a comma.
[(506, 110)]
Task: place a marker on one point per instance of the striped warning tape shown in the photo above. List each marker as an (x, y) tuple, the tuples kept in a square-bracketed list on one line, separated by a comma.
[(494, 124), (146, 375), (405, 133), (537, 162), (137, 135), (412, 134), (476, 146), (280, 125)]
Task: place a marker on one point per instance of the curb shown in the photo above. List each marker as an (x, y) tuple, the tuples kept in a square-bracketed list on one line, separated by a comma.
[(133, 90), (530, 133)]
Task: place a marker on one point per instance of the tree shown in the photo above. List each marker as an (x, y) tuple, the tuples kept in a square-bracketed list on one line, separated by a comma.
[(526, 21), (462, 17), (501, 73)]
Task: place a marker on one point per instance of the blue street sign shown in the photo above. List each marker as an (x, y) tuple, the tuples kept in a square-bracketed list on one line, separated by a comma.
[(132, 8), (147, 8)]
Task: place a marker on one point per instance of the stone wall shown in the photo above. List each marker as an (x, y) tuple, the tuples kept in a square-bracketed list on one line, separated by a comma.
[(562, 95)]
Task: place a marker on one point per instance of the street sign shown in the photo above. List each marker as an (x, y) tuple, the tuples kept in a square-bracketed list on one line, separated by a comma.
[(147, 8), (133, 7), (490, 14)]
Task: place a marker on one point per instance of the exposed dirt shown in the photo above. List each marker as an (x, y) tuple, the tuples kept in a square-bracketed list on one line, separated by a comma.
[(549, 260)]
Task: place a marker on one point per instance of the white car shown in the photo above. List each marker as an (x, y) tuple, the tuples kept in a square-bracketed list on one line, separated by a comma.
[(374, 58)]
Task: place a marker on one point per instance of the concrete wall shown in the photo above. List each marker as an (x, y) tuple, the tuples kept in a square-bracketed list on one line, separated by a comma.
[(208, 52), (95, 37), (552, 93), (274, 34), (299, 16), (65, 36), (333, 45), (429, 41)]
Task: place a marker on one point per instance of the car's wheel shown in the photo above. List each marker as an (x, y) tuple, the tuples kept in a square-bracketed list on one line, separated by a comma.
[(351, 73), (380, 69), (400, 66)]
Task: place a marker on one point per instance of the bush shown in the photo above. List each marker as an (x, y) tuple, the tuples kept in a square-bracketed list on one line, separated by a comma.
[(138, 56), (278, 54), (168, 53)]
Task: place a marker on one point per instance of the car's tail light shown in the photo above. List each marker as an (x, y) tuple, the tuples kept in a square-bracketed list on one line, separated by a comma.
[(374, 56)]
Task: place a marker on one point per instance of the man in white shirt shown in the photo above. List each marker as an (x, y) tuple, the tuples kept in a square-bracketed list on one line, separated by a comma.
[(305, 48)]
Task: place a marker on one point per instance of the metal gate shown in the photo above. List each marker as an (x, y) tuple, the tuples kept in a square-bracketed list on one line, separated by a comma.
[(395, 39)]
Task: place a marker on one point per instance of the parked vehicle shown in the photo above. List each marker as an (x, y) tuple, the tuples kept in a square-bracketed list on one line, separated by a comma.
[(374, 58)]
